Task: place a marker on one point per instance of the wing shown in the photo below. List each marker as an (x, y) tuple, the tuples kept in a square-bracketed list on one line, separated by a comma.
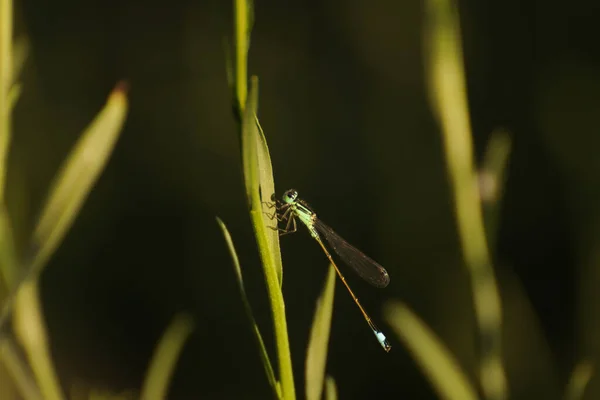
[(364, 266)]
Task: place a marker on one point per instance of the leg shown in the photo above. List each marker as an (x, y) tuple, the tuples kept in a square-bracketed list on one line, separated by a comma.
[(278, 209), (292, 222), (269, 204)]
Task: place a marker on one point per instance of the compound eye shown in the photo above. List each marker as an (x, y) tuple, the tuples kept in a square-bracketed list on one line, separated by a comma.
[(290, 196)]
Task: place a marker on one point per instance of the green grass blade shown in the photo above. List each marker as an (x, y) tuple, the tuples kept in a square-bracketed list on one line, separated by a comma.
[(8, 258), (6, 83), (330, 389), (267, 188), (18, 370), (242, 28), (9, 93), (76, 178), (258, 179), (252, 175), (261, 345), (492, 177), (578, 382), (162, 366), (31, 331), (449, 102), (316, 355), (436, 361)]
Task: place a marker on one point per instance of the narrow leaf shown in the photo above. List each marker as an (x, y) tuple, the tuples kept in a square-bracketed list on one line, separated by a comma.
[(242, 29), (18, 369), (316, 355), (31, 331), (261, 345), (249, 147), (76, 178), (267, 188), (6, 84), (330, 389), (448, 97), (492, 178), (437, 362), (267, 249), (579, 380), (163, 363)]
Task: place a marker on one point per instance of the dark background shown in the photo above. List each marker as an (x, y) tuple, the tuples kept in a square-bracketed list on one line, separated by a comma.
[(344, 106)]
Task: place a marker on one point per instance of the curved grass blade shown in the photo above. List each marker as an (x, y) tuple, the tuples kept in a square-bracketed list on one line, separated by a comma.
[(330, 389), (438, 364), (492, 177), (76, 178), (31, 331), (261, 345), (256, 176), (316, 355), (448, 98), (18, 370), (579, 380), (167, 352), (11, 58), (267, 188)]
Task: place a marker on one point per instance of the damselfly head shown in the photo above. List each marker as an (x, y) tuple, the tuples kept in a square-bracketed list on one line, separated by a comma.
[(290, 196)]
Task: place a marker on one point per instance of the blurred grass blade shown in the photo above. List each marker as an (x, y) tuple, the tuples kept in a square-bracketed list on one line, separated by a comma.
[(261, 345), (9, 93), (20, 52), (266, 248), (492, 180), (76, 178), (8, 258), (316, 355), (579, 380), (438, 364), (6, 83), (330, 389), (18, 370), (242, 28), (30, 329), (162, 366), (449, 102)]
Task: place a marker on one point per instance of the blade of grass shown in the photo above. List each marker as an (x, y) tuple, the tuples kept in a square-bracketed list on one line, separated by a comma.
[(261, 345), (76, 178), (330, 389), (267, 188), (448, 98), (6, 83), (8, 259), (19, 370), (436, 361), (30, 329), (242, 28), (491, 181), (8, 97), (165, 357), (251, 159), (582, 373), (316, 355), (258, 178), (74, 182)]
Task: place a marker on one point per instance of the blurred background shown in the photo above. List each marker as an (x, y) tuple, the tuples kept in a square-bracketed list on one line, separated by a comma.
[(344, 105)]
